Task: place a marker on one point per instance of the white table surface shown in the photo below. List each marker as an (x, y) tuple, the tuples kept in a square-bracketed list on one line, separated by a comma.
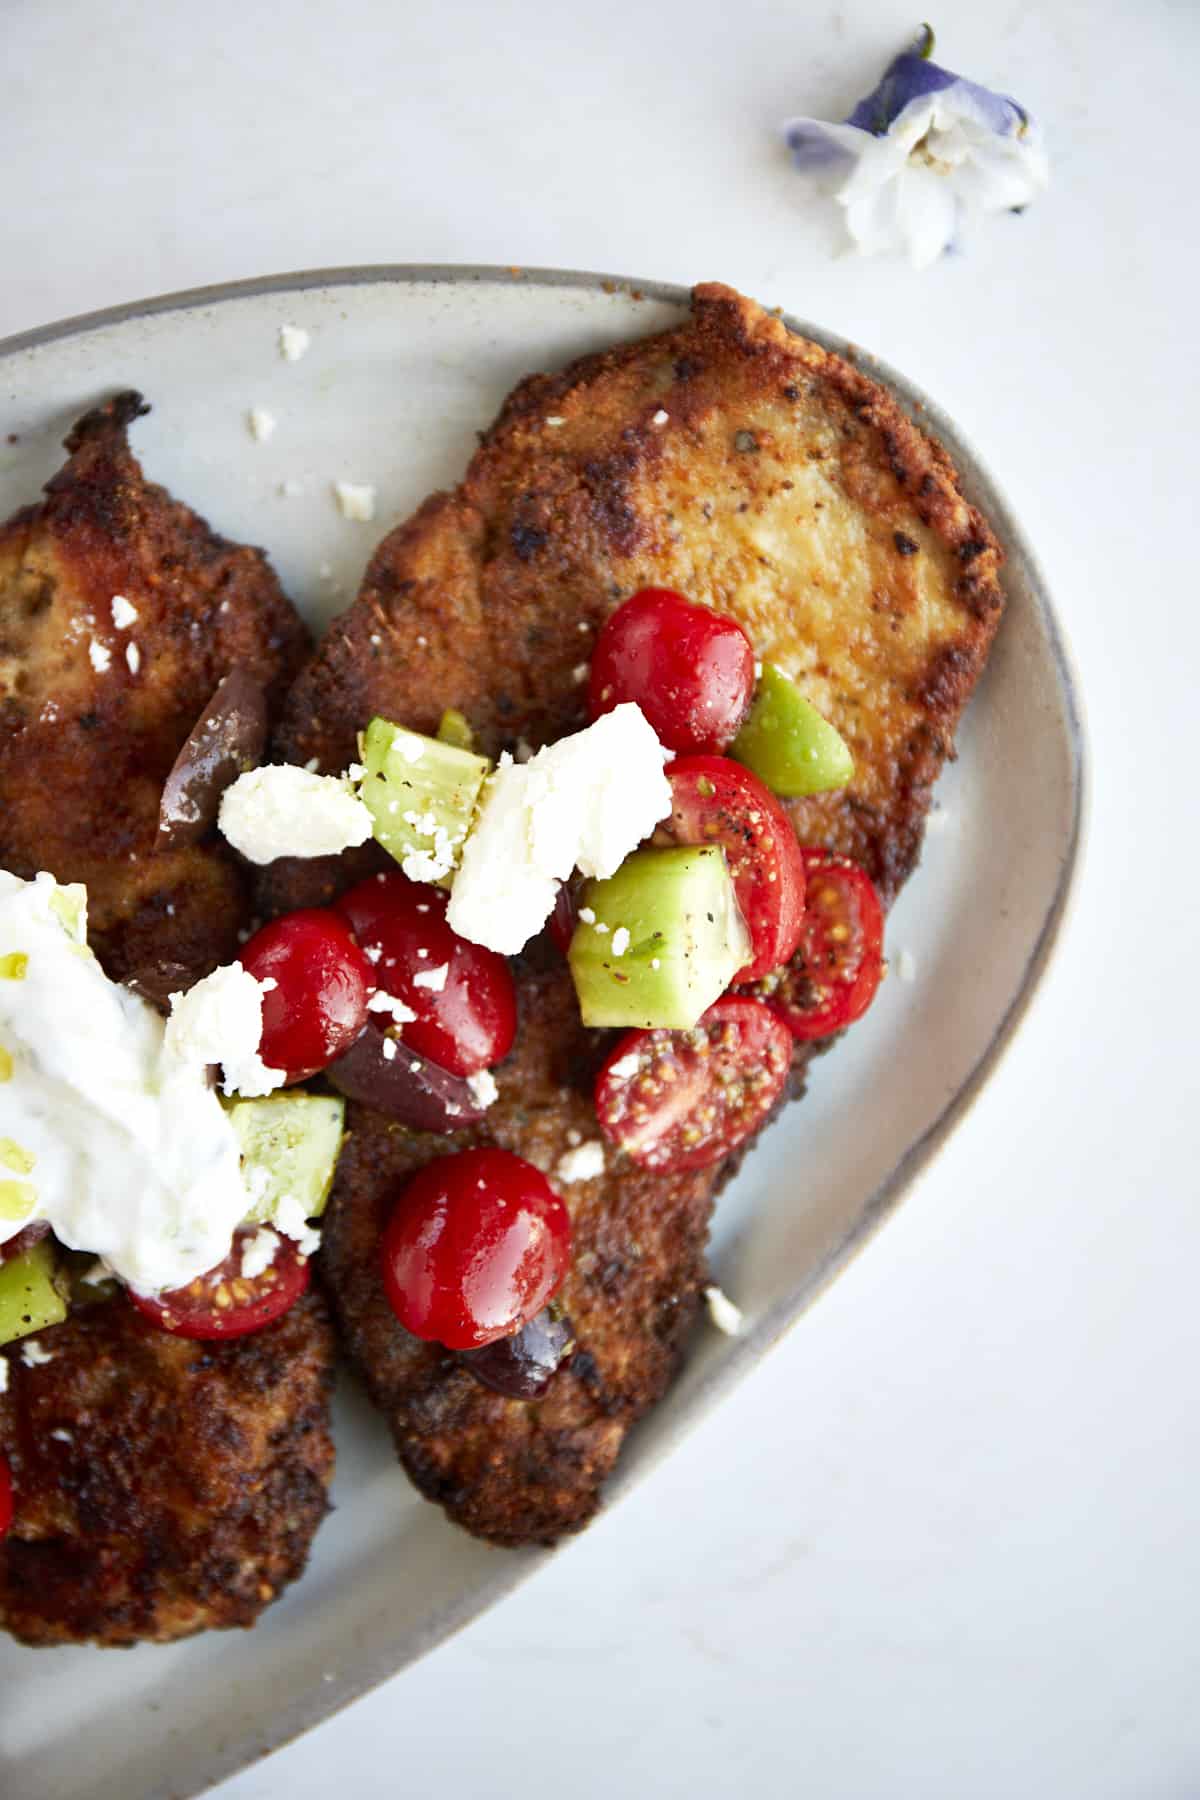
[(944, 1541)]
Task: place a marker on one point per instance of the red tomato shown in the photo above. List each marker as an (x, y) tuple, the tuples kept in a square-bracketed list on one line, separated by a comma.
[(691, 670), (223, 1303), (6, 1499), (684, 1099), (476, 1245), (562, 921), (833, 977), (715, 801), (464, 1025), (318, 1004), (24, 1240)]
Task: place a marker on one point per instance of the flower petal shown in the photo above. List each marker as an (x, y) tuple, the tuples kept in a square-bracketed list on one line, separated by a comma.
[(817, 144), (926, 214), (907, 77)]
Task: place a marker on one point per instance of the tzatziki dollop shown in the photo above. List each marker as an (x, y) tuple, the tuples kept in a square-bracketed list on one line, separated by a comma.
[(119, 1143)]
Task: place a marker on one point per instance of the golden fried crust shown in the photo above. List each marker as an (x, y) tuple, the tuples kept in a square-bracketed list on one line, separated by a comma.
[(747, 468), (161, 1486), (84, 751)]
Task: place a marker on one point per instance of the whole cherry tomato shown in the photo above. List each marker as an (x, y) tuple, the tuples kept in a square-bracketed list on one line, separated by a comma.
[(316, 981), (691, 670)]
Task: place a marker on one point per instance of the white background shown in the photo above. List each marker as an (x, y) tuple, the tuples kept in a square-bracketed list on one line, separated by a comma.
[(944, 1542)]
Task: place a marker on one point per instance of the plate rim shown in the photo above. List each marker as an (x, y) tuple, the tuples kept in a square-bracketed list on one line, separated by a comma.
[(313, 1709)]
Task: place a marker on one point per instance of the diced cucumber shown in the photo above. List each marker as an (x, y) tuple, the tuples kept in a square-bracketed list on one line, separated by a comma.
[(290, 1145), (421, 795), (658, 942), (455, 729), (29, 1296), (786, 742)]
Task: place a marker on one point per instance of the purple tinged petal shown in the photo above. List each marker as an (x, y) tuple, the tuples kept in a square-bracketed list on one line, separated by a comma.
[(816, 144), (910, 76)]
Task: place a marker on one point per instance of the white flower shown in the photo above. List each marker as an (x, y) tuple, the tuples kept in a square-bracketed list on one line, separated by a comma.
[(926, 150)]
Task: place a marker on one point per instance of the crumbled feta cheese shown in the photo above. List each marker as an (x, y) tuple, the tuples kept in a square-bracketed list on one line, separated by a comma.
[(60, 1436), (483, 1087), (289, 1217), (258, 1253), (724, 1314), (355, 499), (389, 1049), (587, 915), (758, 671), (626, 1068), (3, 1374), (584, 803), (260, 423), (601, 927), (656, 962), (293, 342), (435, 979), (280, 810), (220, 1021), (906, 966), (620, 943), (582, 1164), (123, 613), (381, 1002), (660, 417), (100, 656), (554, 422), (133, 658), (579, 673), (32, 1354)]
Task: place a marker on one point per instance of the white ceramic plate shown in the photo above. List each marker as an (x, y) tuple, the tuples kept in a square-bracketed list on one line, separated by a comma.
[(405, 366)]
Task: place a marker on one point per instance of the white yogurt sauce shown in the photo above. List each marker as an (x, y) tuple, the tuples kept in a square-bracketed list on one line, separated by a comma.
[(118, 1143)]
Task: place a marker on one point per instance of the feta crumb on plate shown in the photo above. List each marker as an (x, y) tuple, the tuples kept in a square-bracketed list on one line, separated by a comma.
[(581, 1164), (280, 810), (906, 965), (260, 423), (355, 499), (293, 342), (724, 1314)]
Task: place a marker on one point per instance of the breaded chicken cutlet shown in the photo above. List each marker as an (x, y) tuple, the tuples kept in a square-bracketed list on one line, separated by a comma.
[(165, 1486), (93, 712), (162, 1485), (745, 467)]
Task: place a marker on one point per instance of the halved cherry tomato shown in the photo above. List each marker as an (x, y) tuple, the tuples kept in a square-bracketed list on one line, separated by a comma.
[(684, 1099), (716, 801), (6, 1498), (834, 975), (463, 996), (225, 1303), (318, 1003), (562, 921), (476, 1245), (691, 670)]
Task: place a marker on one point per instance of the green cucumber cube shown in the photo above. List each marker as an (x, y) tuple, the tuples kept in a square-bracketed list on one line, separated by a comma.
[(786, 742), (421, 795), (29, 1296), (658, 942), (289, 1145)]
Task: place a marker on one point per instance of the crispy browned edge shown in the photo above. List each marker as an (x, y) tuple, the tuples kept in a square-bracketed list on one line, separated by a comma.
[(79, 787), (517, 1472)]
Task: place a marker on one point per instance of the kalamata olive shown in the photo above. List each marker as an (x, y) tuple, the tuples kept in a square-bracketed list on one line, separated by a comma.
[(226, 740), (24, 1240), (522, 1366), (386, 1074)]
